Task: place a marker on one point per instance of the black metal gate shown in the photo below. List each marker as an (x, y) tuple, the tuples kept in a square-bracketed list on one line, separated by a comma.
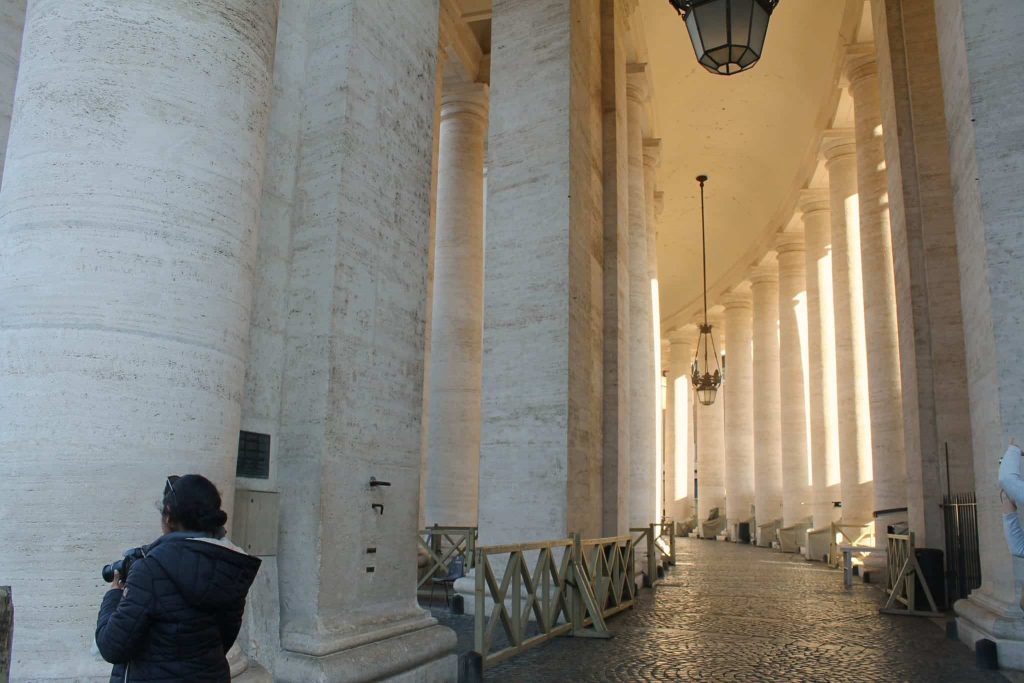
[(963, 561)]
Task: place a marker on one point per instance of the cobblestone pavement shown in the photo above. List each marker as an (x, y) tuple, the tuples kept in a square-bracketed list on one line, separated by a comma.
[(739, 613)]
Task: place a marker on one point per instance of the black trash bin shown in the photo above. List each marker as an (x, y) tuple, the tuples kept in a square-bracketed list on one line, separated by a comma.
[(932, 567), (744, 532)]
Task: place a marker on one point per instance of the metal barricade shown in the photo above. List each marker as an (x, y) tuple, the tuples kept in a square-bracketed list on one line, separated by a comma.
[(442, 544), (963, 559), (572, 586), (904, 578)]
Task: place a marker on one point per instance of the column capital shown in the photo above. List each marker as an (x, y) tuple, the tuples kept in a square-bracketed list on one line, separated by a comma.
[(859, 63), (637, 88), (683, 336), (652, 152), (837, 143), (766, 273), (813, 200), (465, 99), (789, 242), (737, 299)]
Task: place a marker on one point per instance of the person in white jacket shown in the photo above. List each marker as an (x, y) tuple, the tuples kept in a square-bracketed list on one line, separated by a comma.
[(1012, 484)]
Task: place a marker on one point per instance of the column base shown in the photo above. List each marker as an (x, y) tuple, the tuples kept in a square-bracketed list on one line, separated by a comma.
[(982, 616), (426, 655)]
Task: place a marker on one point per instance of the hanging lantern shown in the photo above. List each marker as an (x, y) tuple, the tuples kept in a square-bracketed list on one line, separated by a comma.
[(727, 35), (706, 373)]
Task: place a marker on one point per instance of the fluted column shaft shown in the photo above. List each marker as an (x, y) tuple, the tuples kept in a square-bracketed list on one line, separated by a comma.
[(12, 22), (453, 435), (856, 485), (679, 422), (883, 352), (739, 410), (127, 251), (764, 288), (793, 378), (711, 442), (821, 339), (642, 417)]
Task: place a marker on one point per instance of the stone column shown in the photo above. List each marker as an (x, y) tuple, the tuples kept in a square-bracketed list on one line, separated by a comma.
[(739, 411), (764, 288), (936, 407), (710, 460), (679, 421), (12, 23), (848, 305), (987, 171), (821, 348), (652, 204), (642, 423), (540, 445), (793, 378), (353, 377), (883, 346), (127, 250), (615, 150), (453, 433)]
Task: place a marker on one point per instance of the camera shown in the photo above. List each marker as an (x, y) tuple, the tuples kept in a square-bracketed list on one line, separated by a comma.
[(124, 564)]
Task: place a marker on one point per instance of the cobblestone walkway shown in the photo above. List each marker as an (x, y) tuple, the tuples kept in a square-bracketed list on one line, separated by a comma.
[(739, 613)]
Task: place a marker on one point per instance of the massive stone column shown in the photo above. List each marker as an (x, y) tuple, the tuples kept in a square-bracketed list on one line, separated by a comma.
[(936, 407), (855, 467), (793, 378), (642, 416), (679, 422), (540, 450), (354, 350), (615, 149), (710, 427), (821, 340), (128, 232), (984, 118), (883, 347), (652, 204), (12, 22), (453, 433), (764, 288), (739, 410)]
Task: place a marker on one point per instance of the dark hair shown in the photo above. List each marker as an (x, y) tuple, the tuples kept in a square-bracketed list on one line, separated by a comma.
[(194, 503)]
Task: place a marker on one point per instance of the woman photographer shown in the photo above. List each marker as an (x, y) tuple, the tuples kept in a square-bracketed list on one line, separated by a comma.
[(176, 614)]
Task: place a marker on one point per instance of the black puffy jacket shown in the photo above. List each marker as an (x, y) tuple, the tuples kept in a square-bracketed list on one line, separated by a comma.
[(179, 612)]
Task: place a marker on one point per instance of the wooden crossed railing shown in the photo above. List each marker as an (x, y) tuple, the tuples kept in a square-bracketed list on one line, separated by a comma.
[(905, 575), (442, 545), (536, 591), (849, 534), (658, 541)]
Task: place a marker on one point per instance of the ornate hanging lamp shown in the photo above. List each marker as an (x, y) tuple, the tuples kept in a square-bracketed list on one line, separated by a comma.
[(727, 35), (706, 379)]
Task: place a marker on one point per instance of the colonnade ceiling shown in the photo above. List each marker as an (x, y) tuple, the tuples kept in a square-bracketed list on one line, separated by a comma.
[(755, 134)]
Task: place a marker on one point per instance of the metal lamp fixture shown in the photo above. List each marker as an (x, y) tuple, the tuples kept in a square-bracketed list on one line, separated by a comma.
[(706, 381), (727, 35)]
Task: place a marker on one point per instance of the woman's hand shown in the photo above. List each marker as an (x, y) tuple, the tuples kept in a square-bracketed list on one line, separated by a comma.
[(118, 582)]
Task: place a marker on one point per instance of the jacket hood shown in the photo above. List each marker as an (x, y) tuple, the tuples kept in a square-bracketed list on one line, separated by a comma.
[(209, 572)]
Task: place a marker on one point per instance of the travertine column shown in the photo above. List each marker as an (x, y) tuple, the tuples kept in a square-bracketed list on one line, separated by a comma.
[(711, 442), (653, 204), (540, 445), (642, 423), (821, 352), (12, 22), (453, 434), (739, 410), (353, 376), (127, 250), (615, 150), (679, 418), (883, 347), (764, 288), (983, 116), (793, 378), (848, 306)]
